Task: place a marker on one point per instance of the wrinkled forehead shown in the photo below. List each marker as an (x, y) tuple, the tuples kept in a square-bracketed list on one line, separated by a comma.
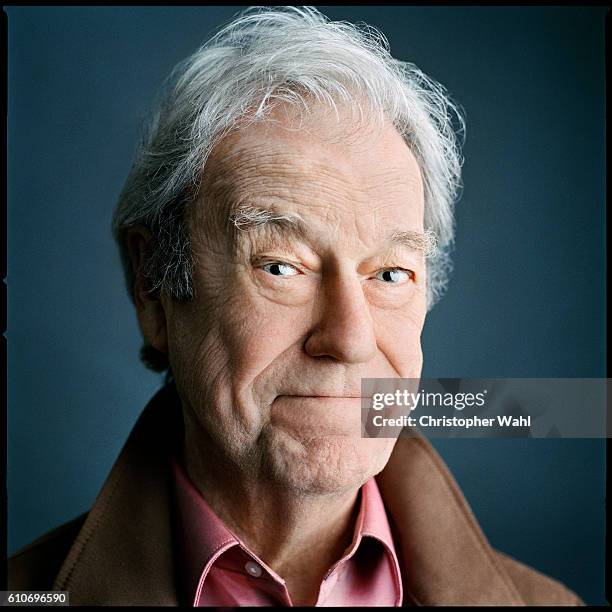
[(320, 166)]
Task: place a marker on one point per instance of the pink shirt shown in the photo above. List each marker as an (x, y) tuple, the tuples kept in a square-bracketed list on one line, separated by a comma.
[(217, 569)]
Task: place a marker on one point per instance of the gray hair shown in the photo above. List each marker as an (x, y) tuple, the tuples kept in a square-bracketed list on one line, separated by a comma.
[(265, 57)]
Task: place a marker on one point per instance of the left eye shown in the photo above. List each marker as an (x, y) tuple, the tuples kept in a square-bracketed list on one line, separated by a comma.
[(393, 276), (280, 269)]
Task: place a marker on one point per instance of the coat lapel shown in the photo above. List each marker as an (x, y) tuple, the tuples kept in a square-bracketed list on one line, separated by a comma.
[(125, 551), (446, 559)]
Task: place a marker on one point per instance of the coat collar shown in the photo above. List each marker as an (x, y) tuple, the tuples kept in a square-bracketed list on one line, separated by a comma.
[(125, 551)]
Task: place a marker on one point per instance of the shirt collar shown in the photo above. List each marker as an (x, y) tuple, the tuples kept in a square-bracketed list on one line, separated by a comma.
[(203, 537), (372, 522)]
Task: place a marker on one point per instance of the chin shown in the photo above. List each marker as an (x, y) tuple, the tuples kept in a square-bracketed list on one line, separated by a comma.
[(324, 464)]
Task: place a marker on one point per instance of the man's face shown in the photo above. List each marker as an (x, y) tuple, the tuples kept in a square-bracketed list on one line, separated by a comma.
[(295, 307)]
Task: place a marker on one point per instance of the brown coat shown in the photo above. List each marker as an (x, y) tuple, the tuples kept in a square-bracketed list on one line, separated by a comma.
[(122, 551)]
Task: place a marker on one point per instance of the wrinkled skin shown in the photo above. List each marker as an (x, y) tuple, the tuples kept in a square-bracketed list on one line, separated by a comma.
[(269, 355)]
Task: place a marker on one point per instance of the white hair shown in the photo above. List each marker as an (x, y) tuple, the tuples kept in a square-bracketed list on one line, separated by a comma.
[(263, 58)]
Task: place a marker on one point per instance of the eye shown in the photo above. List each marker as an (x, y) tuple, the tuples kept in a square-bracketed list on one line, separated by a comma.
[(278, 268), (394, 276)]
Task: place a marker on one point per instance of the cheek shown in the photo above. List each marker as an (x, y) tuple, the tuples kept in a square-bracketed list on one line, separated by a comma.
[(399, 339), (197, 356), (258, 323), (256, 339)]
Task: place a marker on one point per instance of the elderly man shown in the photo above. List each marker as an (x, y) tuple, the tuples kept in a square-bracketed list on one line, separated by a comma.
[(284, 231)]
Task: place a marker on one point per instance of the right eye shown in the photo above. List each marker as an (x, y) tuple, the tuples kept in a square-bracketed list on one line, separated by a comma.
[(278, 268)]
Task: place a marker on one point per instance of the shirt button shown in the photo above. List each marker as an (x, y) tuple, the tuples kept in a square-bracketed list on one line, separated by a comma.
[(253, 569)]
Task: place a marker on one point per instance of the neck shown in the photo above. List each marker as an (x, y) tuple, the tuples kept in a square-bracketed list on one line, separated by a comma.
[(300, 536)]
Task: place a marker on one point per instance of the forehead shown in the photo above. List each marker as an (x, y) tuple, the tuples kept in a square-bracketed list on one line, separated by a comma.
[(328, 169)]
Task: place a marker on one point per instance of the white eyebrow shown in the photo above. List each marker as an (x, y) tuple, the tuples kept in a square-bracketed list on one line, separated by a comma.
[(424, 242), (247, 217)]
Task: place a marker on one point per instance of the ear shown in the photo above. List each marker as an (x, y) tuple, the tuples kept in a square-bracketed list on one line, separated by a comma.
[(149, 307)]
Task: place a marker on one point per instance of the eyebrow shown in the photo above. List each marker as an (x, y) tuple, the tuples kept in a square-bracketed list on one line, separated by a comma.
[(248, 217), (284, 225), (422, 242)]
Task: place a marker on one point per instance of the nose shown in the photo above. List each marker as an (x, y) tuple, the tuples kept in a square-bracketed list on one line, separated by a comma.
[(343, 328)]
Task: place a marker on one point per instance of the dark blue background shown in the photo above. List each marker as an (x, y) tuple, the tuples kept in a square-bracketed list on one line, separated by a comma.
[(526, 299)]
